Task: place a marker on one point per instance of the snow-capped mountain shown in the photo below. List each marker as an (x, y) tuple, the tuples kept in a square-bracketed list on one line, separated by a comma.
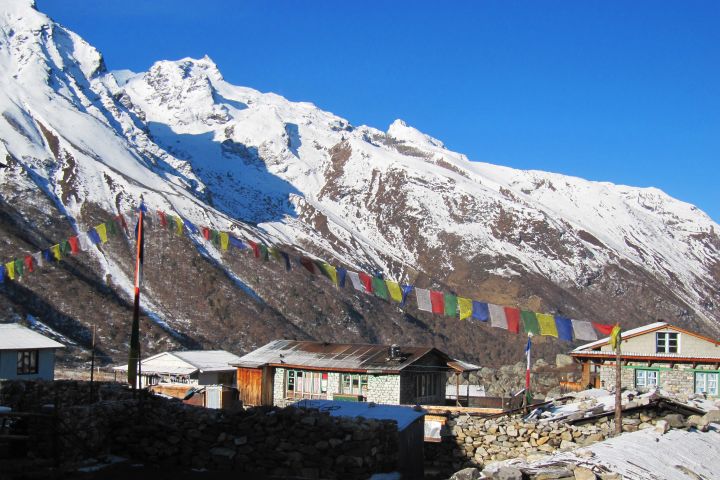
[(79, 144)]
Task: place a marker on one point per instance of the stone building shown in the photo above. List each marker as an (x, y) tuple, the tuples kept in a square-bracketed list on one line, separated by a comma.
[(656, 355), (285, 371), (26, 354)]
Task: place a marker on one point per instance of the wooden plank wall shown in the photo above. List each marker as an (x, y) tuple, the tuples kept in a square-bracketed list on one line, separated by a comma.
[(249, 383)]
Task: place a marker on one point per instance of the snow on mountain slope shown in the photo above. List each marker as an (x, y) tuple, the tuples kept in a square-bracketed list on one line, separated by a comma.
[(396, 202)]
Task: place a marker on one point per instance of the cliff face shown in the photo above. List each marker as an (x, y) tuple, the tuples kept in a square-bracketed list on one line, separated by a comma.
[(80, 145)]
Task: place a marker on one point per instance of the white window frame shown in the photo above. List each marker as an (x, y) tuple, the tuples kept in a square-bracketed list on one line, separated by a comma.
[(354, 384), (643, 375), (665, 336), (306, 384), (28, 362), (703, 383)]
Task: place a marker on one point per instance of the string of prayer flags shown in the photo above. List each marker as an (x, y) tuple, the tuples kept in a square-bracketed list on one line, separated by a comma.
[(10, 268), (102, 232), (379, 288), (437, 299), (190, 226), (480, 311), (450, 303), (19, 270), (286, 257), (564, 328), (163, 220), (330, 272), (530, 322), (366, 281), (547, 325), (497, 316), (424, 301), (512, 315), (465, 305), (38, 259), (406, 290), (394, 290), (604, 329), (29, 263), (341, 273), (355, 280)]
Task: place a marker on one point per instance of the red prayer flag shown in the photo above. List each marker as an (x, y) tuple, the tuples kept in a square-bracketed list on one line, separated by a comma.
[(437, 299), (163, 220), (512, 315), (29, 263), (256, 252), (206, 233), (366, 281), (120, 220), (602, 328), (74, 247), (304, 261)]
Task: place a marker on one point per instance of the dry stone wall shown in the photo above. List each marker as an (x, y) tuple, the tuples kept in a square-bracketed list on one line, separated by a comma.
[(258, 442)]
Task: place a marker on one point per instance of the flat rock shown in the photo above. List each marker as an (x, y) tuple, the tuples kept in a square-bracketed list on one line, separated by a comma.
[(466, 474)]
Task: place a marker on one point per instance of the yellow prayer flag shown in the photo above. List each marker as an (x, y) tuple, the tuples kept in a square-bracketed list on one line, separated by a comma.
[(10, 267), (55, 249), (615, 337), (178, 225), (394, 289), (102, 232), (465, 305), (224, 240), (331, 272), (275, 254), (547, 324)]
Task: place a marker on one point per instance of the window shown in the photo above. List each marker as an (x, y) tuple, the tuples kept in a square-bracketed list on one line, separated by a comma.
[(666, 342), (426, 385), (354, 384), (27, 362), (646, 378), (305, 384), (706, 382)]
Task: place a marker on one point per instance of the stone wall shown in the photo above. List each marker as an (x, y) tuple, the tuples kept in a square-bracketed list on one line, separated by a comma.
[(279, 387), (384, 389), (477, 441), (678, 380), (257, 442)]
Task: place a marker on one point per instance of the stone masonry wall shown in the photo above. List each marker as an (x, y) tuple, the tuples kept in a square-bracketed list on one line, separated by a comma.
[(279, 387), (679, 380), (256, 443), (384, 389)]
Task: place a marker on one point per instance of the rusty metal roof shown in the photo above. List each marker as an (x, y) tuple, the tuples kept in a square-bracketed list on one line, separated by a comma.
[(336, 356)]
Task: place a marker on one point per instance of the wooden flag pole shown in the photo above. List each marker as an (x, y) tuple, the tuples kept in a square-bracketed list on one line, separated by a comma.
[(134, 367)]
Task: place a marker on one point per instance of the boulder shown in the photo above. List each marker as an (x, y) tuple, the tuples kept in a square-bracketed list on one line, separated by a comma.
[(582, 473), (713, 416), (507, 473), (675, 420), (662, 426), (562, 360), (466, 474)]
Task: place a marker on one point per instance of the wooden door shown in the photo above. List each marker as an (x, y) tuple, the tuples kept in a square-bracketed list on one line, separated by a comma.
[(250, 385)]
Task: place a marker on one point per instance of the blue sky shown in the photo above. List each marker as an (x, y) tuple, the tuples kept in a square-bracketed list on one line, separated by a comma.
[(627, 92)]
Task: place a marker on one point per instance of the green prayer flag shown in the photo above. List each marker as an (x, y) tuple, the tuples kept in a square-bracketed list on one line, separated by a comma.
[(264, 252), (379, 287), (451, 304), (111, 228), (19, 268), (530, 322), (65, 248)]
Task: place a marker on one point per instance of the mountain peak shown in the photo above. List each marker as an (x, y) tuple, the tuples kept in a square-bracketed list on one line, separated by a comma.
[(400, 130)]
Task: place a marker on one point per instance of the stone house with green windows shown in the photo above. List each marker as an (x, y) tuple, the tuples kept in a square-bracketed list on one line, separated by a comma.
[(285, 371), (658, 355)]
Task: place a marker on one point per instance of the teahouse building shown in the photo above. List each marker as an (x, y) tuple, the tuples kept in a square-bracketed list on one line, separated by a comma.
[(656, 355), (26, 354), (285, 371)]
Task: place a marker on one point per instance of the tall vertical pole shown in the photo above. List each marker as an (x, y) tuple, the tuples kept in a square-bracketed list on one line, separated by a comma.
[(92, 366), (618, 387), (134, 369)]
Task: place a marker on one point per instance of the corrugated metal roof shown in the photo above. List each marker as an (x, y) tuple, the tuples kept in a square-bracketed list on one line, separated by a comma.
[(334, 356), (187, 362), (14, 336), (404, 416), (669, 356)]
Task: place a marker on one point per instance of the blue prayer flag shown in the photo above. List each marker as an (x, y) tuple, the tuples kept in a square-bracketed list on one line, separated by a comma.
[(47, 255), (564, 328), (341, 274), (286, 257), (189, 225), (237, 243), (93, 236), (2, 274), (406, 289), (480, 311)]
